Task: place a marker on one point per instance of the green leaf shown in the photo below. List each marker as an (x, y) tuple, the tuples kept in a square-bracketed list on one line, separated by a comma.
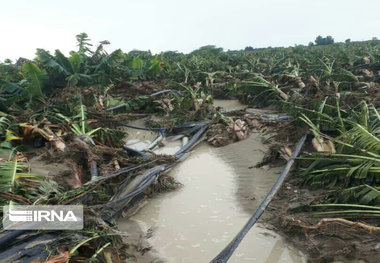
[(14, 179), (49, 61), (75, 62), (137, 63), (36, 79), (63, 61)]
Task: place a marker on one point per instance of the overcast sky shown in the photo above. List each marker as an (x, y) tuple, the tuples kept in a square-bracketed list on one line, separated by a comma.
[(161, 25)]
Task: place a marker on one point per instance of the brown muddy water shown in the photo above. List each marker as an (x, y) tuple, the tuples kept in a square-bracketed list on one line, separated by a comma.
[(221, 189)]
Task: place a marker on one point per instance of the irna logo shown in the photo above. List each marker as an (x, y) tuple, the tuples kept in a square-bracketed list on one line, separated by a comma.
[(38, 216), (43, 217)]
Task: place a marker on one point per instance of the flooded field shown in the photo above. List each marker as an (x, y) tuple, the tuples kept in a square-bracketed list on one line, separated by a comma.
[(183, 190), (221, 189)]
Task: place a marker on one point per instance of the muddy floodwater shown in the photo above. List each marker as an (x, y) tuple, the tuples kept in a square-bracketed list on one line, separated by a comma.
[(229, 105), (220, 191)]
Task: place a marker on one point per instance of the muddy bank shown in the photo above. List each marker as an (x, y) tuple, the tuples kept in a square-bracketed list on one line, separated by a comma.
[(331, 241)]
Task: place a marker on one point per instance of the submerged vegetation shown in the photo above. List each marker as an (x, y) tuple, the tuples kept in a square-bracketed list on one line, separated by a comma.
[(70, 109)]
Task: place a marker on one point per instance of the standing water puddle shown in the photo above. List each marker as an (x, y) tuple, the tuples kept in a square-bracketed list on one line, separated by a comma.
[(220, 191), (229, 105)]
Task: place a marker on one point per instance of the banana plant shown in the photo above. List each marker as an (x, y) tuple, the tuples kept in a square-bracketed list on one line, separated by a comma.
[(186, 72), (319, 143), (211, 77), (8, 138), (362, 194), (143, 66), (34, 81), (194, 98), (260, 87), (79, 125), (4, 123), (362, 200), (357, 159), (15, 179), (72, 69)]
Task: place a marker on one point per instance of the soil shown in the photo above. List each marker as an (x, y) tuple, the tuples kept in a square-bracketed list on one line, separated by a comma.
[(128, 90), (288, 213), (331, 242)]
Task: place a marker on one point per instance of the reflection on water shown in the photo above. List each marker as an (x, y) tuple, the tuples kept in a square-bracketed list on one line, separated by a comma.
[(141, 139), (138, 139), (252, 184), (194, 223), (229, 105)]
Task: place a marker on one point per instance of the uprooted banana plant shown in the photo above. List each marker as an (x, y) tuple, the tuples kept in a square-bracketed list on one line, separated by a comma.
[(79, 124), (80, 127), (356, 163), (362, 200), (258, 88)]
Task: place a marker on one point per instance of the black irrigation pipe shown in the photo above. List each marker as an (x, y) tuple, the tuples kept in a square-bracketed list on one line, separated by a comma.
[(121, 200), (194, 126), (199, 128), (135, 153), (11, 235), (140, 128), (164, 129), (31, 247), (196, 137), (188, 132), (276, 118), (147, 179), (159, 137), (226, 253), (119, 172), (151, 175), (165, 91)]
